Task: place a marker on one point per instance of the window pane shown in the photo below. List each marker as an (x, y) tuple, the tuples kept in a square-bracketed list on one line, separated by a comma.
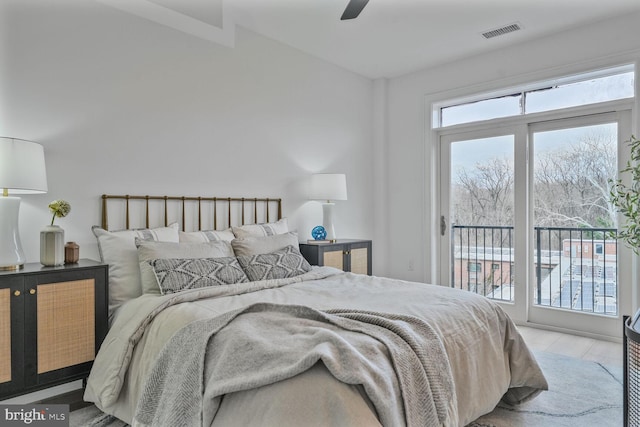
[(601, 89), (572, 169), (474, 267), (564, 92), (481, 197), (504, 106), (482, 181)]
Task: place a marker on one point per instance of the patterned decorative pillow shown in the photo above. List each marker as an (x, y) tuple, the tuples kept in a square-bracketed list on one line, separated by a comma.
[(287, 262), (258, 230), (155, 250), (177, 274)]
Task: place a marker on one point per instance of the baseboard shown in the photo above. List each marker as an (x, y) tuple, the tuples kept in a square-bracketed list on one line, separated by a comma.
[(41, 395), (570, 331)]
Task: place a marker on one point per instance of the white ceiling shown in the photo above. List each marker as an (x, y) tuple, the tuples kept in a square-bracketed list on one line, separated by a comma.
[(395, 37)]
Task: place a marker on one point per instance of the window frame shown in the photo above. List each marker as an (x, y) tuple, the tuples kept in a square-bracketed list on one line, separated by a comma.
[(522, 90), (522, 309)]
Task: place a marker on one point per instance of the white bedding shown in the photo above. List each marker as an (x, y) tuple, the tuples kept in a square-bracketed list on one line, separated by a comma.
[(486, 354)]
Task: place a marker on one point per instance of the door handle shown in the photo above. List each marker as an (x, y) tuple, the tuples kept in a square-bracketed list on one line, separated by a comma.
[(443, 225)]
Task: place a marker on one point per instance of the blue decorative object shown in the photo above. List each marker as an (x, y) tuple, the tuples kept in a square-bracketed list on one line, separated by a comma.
[(319, 233)]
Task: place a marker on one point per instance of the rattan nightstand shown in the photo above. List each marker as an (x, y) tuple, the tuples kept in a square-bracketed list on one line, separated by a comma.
[(52, 322), (345, 254)]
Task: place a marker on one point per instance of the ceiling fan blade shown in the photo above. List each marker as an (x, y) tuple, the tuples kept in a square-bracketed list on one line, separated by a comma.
[(353, 9)]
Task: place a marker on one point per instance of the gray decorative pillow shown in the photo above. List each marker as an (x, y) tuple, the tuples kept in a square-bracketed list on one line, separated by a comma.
[(287, 262), (207, 236), (177, 274), (155, 250), (258, 230), (263, 245)]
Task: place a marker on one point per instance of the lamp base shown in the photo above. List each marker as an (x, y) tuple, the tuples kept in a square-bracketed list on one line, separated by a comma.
[(11, 254), (12, 267), (327, 221)]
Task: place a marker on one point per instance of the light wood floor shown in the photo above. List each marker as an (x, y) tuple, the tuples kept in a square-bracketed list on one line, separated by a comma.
[(605, 352)]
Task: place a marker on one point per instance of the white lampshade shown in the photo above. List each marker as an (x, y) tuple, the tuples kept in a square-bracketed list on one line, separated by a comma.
[(328, 186), (22, 171)]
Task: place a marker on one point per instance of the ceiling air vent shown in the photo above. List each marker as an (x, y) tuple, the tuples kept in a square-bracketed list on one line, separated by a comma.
[(501, 31)]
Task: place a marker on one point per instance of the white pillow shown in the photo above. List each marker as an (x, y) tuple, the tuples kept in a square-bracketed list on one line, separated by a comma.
[(118, 249), (148, 251), (260, 230), (264, 245), (207, 236)]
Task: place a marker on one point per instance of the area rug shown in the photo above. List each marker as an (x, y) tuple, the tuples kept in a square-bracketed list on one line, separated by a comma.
[(581, 393)]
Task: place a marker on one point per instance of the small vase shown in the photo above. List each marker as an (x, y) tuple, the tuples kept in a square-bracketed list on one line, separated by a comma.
[(52, 246), (71, 253)]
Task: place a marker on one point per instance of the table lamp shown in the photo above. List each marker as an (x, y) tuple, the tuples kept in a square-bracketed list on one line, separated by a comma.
[(22, 171), (328, 187)]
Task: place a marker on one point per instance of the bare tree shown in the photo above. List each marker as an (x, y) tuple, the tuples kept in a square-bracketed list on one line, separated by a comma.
[(572, 187), (484, 195)]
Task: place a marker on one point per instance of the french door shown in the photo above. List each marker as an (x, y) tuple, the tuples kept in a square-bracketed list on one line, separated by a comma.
[(526, 220)]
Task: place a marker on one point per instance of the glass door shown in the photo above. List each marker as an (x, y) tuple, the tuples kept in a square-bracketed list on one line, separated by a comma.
[(576, 280), (479, 215)]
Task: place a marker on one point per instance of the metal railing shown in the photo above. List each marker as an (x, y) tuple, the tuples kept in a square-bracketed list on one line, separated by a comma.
[(575, 268), (483, 260)]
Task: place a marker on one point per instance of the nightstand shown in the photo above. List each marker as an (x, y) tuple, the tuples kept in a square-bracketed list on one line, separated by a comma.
[(345, 254), (52, 322)]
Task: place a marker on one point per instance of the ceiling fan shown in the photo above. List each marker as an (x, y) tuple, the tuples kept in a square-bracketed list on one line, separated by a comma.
[(353, 9)]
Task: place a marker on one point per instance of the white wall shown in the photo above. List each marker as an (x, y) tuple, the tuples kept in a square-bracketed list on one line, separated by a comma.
[(126, 106), (413, 212), (123, 105)]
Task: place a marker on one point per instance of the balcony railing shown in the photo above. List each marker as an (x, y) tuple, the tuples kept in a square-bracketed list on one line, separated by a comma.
[(575, 268)]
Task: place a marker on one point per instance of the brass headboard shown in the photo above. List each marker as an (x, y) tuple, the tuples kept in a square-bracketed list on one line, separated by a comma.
[(226, 207)]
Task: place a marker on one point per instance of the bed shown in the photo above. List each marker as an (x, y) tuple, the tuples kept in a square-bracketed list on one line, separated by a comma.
[(200, 343)]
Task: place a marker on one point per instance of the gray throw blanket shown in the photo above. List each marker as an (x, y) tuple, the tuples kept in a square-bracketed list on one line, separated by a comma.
[(399, 361)]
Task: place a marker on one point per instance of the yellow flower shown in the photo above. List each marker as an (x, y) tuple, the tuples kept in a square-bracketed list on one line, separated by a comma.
[(59, 208)]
